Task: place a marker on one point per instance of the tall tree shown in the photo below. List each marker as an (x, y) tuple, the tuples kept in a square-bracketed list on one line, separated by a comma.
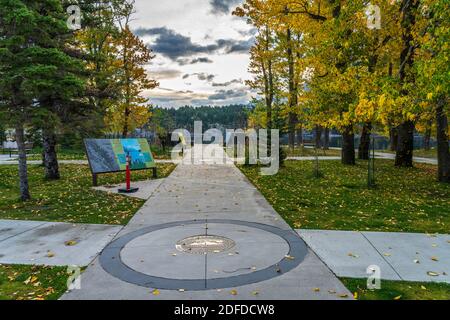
[(26, 30), (131, 110), (263, 57), (433, 74), (405, 145)]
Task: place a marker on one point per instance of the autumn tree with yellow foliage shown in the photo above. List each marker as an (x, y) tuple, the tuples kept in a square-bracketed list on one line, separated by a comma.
[(369, 66), (115, 64), (131, 110)]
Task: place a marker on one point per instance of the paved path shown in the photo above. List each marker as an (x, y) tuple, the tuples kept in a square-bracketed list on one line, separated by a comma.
[(52, 243), (401, 256), (250, 248), (6, 157), (313, 158), (146, 188), (382, 155)]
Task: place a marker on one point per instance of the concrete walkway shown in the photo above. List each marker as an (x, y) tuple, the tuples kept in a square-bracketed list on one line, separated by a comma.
[(400, 256), (313, 158), (382, 155), (52, 243), (146, 188), (6, 157), (207, 233)]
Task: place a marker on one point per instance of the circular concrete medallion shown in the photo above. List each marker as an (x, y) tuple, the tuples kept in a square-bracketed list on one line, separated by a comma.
[(111, 259), (205, 244)]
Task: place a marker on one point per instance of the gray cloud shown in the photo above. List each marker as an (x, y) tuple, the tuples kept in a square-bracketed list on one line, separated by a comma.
[(228, 94), (174, 45), (228, 83), (248, 33), (183, 62), (163, 74), (201, 76), (223, 6)]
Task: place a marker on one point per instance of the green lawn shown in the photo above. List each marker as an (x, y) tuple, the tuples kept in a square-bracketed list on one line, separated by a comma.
[(422, 153), (405, 199), (63, 154), (71, 198), (19, 282), (398, 290), (309, 152)]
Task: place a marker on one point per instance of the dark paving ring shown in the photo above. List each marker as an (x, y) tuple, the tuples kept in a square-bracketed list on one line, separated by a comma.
[(112, 263)]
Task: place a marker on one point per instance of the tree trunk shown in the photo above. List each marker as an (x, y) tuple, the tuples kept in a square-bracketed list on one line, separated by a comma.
[(326, 141), (292, 121), (364, 144), (318, 130), (292, 90), (300, 136), (125, 130), (442, 143), (268, 80), (405, 145), (427, 137), (50, 157), (393, 135), (348, 146), (23, 171), (409, 9)]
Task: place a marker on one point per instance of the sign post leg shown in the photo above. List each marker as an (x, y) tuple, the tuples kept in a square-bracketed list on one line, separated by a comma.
[(128, 188), (128, 177)]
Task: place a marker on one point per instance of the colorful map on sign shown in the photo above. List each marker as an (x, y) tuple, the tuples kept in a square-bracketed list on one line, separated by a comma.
[(110, 155)]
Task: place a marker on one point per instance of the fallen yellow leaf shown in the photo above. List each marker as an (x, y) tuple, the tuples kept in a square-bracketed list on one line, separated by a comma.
[(70, 243), (156, 292), (397, 297)]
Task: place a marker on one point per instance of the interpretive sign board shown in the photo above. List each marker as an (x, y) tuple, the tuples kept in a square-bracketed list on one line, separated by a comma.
[(110, 155)]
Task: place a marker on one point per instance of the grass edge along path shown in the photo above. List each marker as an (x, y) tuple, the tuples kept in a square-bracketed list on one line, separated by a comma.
[(398, 290), (70, 199), (405, 199), (27, 282)]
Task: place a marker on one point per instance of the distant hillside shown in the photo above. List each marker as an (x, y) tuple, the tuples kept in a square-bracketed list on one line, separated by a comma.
[(224, 117)]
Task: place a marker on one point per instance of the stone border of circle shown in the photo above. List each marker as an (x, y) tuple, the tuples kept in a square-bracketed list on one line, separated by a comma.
[(112, 263)]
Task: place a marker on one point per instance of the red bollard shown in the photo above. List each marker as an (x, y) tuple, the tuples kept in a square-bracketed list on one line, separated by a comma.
[(128, 174), (128, 188)]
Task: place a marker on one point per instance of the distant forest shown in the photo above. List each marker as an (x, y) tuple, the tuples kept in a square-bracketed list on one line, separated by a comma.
[(165, 120)]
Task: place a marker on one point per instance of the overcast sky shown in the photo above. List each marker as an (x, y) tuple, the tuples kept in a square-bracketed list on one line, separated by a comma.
[(201, 51)]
